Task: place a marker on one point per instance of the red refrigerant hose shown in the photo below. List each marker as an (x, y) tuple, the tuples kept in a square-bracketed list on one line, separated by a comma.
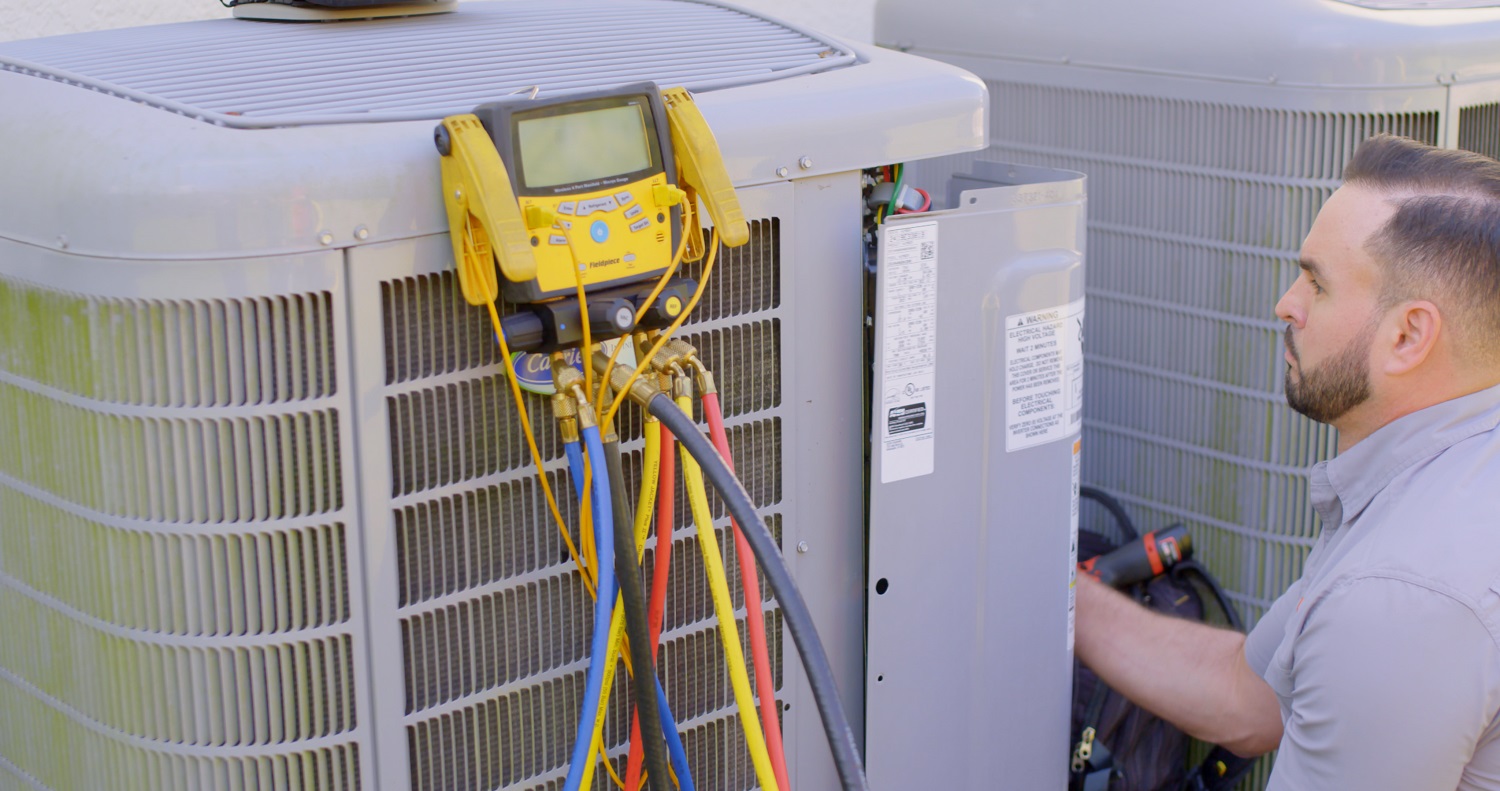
[(755, 620), (661, 563)]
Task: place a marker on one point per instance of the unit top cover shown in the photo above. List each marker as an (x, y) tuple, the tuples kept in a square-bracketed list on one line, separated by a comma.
[(235, 138), (246, 73), (1311, 43)]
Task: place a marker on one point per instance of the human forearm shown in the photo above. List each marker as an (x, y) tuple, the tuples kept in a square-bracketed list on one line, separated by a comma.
[(1190, 674)]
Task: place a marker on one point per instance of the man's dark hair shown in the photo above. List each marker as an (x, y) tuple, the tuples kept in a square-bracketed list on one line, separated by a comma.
[(1443, 242)]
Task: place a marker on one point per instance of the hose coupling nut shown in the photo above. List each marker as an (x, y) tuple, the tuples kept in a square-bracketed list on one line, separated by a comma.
[(566, 412), (642, 390), (586, 418)]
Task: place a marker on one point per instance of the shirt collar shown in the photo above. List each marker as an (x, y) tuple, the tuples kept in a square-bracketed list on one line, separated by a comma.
[(1349, 482)]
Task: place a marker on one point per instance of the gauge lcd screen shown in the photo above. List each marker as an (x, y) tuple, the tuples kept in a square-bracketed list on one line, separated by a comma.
[(580, 147)]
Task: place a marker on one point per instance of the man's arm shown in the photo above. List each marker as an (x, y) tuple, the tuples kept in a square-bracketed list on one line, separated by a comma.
[(1190, 674)]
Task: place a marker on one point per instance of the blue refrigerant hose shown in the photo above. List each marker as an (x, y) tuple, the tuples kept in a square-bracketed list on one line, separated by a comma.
[(604, 547), (574, 452)]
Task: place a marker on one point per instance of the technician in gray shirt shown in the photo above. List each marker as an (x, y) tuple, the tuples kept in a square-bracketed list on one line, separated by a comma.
[(1380, 667)]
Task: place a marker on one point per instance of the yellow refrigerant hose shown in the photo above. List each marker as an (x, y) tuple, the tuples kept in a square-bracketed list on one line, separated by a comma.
[(734, 654)]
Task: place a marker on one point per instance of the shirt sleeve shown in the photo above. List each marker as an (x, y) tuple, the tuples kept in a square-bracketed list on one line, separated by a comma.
[(1261, 643), (1393, 684)]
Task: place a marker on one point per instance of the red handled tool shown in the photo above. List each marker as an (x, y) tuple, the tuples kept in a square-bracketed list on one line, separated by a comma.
[(1141, 560)]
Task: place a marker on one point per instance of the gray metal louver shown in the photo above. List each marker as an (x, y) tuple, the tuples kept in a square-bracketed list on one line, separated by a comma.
[(173, 540), (243, 73), (1479, 129)]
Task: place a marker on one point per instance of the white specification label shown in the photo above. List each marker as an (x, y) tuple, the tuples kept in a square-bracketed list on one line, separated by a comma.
[(908, 359), (1073, 540), (1043, 375)]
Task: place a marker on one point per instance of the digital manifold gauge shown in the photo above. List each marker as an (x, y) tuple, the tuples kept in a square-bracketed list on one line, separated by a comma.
[(577, 191), (600, 162)]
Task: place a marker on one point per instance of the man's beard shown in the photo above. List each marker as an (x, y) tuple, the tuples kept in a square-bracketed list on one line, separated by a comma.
[(1340, 384)]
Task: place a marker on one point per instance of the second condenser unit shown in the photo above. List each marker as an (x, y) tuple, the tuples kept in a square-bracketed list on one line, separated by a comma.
[(1211, 134)]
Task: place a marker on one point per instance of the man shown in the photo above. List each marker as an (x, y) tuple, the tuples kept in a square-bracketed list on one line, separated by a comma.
[(1380, 667)]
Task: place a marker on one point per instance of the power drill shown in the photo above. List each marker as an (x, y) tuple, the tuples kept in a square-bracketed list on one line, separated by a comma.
[(1142, 559)]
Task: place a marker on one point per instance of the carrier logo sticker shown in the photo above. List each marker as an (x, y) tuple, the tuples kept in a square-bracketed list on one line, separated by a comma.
[(903, 419), (534, 370)]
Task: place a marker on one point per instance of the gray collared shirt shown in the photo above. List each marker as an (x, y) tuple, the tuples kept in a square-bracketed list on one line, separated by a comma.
[(1386, 653)]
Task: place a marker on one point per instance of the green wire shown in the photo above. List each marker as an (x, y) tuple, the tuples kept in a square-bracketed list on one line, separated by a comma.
[(900, 173)]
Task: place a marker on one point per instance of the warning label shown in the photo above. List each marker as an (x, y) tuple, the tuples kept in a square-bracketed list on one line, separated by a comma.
[(908, 356), (1043, 376)]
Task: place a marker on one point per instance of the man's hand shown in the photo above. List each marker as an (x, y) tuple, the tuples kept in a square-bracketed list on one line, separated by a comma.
[(1190, 674)]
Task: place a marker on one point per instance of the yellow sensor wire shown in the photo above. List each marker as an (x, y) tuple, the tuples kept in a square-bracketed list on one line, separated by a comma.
[(640, 313), (641, 365)]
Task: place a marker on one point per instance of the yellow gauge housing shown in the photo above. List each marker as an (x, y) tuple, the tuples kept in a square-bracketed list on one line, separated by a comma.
[(594, 176)]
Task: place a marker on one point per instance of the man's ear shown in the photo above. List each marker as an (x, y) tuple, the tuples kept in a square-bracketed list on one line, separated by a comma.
[(1414, 330)]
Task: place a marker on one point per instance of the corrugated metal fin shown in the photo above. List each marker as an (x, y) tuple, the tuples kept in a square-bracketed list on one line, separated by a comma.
[(244, 73)]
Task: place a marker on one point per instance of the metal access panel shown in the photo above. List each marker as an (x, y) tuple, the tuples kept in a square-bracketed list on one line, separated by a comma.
[(975, 460)]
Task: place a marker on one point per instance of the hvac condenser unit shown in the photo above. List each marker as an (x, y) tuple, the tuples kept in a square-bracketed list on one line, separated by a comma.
[(1211, 133), (266, 517)]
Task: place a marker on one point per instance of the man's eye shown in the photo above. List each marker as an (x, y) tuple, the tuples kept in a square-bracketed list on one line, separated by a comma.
[(1317, 289)]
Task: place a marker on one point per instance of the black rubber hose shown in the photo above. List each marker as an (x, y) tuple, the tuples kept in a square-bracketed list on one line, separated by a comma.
[(1115, 510), (1231, 614), (793, 609), (633, 598)]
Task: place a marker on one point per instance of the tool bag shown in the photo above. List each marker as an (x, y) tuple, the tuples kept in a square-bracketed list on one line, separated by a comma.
[(1117, 745)]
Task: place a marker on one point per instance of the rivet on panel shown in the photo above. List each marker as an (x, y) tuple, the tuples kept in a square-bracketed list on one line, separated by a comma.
[(802, 547), (361, 233), (781, 172), (805, 162), (325, 238)]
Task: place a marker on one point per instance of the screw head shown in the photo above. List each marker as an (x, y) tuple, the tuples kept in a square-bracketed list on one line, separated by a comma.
[(782, 172), (802, 547), (325, 238), (361, 233), (805, 162)]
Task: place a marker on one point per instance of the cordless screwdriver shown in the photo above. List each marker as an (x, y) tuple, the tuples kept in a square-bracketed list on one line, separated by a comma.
[(1142, 559)]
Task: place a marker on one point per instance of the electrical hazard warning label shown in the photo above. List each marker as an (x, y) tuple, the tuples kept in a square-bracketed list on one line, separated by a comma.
[(1043, 376), (908, 357)]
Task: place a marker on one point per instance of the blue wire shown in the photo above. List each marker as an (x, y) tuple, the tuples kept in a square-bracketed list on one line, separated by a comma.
[(574, 451), (675, 750), (604, 548)]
